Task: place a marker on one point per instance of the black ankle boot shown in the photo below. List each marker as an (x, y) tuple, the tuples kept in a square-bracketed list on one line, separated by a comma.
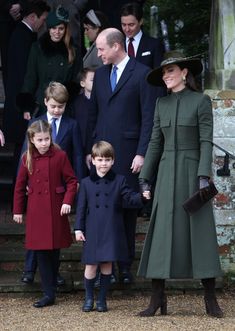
[(212, 307), (158, 299)]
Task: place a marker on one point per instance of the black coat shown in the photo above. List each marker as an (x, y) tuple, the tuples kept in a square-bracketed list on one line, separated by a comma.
[(150, 51), (100, 217), (18, 53)]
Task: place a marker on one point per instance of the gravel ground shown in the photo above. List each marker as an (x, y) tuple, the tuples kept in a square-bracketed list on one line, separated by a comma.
[(186, 312)]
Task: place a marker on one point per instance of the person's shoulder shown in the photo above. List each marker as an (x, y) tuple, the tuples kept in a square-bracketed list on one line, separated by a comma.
[(139, 66), (148, 38), (58, 152)]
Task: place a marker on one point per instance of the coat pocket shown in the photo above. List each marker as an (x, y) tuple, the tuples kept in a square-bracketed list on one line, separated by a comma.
[(60, 189), (187, 121), (165, 122)]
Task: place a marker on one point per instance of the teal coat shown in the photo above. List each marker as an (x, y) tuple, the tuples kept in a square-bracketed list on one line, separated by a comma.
[(177, 245)]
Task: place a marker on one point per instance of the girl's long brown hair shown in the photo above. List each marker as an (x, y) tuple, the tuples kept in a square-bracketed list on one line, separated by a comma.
[(36, 127)]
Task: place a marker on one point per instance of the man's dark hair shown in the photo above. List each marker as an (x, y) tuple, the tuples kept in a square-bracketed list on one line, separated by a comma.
[(36, 6), (132, 9)]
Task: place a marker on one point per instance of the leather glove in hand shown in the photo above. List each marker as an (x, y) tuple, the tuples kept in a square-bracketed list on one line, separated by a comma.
[(204, 187), (144, 186)]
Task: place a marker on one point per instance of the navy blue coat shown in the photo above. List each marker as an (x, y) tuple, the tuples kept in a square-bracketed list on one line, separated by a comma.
[(69, 139), (100, 217), (123, 117)]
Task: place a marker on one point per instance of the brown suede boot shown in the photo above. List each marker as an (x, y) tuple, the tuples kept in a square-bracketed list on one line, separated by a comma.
[(212, 307), (158, 299)]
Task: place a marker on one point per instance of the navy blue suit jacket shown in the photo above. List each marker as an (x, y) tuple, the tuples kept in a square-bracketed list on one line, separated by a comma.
[(69, 139), (150, 51), (123, 117)]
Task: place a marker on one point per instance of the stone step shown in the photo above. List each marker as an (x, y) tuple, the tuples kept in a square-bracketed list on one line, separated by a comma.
[(11, 282)]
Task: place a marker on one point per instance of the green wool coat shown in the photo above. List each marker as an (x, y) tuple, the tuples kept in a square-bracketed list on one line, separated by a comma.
[(43, 68), (177, 245)]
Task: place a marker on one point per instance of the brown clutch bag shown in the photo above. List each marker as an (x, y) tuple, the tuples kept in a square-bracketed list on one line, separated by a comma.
[(195, 202)]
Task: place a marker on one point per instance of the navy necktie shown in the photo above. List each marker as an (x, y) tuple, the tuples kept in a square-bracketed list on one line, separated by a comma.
[(53, 128), (130, 50), (113, 77)]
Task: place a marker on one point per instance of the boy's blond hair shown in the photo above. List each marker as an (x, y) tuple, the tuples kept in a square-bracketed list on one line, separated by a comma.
[(57, 91), (102, 149)]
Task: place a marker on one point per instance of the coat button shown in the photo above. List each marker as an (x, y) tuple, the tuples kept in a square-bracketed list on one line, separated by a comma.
[(37, 180), (106, 194), (46, 192), (97, 183), (106, 182), (97, 206), (39, 192), (106, 206), (97, 194)]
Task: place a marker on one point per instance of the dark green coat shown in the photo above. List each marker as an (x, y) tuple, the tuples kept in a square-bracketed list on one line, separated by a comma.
[(48, 61), (177, 245)]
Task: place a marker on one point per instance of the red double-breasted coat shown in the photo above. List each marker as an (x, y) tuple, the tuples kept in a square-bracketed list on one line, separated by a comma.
[(51, 184)]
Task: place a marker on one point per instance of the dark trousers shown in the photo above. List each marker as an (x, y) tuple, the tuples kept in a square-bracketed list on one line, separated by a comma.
[(130, 217), (48, 263), (31, 263)]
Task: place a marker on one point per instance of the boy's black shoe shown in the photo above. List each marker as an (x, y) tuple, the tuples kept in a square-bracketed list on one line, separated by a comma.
[(125, 277), (60, 280), (113, 279), (45, 301), (27, 277)]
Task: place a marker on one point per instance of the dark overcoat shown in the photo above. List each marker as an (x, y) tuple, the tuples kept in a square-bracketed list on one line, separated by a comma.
[(51, 184), (150, 51), (48, 61), (123, 117), (178, 245), (18, 52), (100, 217), (69, 139)]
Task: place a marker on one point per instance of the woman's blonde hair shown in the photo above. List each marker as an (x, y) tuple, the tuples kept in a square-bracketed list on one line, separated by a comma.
[(36, 127)]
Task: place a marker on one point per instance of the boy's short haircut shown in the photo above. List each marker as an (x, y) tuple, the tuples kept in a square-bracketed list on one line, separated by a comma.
[(57, 91), (83, 73), (102, 149)]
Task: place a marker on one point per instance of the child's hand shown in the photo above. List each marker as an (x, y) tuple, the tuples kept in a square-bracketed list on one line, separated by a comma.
[(18, 218), (146, 195), (65, 209), (79, 236)]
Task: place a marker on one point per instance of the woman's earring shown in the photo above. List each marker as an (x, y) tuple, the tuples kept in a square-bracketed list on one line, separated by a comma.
[(184, 80)]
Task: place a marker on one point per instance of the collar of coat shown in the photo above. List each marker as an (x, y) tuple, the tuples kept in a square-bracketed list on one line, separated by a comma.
[(49, 153), (94, 177), (51, 48)]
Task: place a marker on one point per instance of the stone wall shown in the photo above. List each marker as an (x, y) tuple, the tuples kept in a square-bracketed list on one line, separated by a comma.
[(224, 203)]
